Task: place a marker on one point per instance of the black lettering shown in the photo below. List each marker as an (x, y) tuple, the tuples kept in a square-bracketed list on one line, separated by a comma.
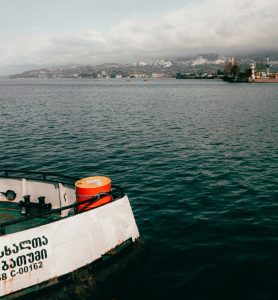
[(16, 249), (20, 271), (22, 245), (4, 276), (13, 263), (5, 266), (7, 251), (21, 260), (25, 269), (43, 254), (37, 255), (40, 264), (30, 257), (36, 242), (13, 273), (45, 240)]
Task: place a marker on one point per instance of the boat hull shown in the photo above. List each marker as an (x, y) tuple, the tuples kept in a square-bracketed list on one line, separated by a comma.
[(266, 80), (45, 253)]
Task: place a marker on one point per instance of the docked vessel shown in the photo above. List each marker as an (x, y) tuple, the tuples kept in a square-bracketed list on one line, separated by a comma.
[(262, 77), (52, 226), (263, 80), (251, 75), (234, 79)]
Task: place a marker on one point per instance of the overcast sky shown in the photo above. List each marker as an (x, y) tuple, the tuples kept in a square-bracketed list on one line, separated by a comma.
[(58, 32)]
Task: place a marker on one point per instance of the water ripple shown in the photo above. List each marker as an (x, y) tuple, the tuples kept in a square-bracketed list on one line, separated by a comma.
[(197, 159)]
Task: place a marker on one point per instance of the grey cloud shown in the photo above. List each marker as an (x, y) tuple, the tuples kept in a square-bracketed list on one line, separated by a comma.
[(203, 26)]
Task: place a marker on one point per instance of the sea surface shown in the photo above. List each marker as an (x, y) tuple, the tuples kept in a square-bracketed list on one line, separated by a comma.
[(197, 158)]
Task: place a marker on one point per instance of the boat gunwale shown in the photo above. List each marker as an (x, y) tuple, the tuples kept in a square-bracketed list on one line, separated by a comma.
[(65, 178), (114, 189)]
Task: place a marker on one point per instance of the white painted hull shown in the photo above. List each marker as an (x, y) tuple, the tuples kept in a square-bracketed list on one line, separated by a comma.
[(49, 251)]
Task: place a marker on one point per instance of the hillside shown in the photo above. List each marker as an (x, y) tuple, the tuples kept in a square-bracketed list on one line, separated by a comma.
[(203, 63)]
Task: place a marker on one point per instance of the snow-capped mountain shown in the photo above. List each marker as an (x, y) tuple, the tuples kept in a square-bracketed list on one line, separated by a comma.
[(165, 66), (161, 63), (208, 59), (202, 63), (205, 59), (200, 60)]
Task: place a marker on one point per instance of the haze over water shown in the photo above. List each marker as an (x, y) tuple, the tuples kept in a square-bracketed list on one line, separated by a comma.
[(198, 160)]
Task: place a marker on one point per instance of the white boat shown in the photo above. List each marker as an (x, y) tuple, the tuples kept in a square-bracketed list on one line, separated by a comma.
[(48, 232)]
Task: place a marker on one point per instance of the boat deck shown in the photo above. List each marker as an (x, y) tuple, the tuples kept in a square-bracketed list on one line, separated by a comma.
[(12, 212)]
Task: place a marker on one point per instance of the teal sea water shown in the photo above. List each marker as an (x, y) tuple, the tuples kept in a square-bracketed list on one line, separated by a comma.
[(198, 160)]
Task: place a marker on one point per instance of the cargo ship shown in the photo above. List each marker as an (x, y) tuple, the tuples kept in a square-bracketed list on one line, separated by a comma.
[(54, 227)]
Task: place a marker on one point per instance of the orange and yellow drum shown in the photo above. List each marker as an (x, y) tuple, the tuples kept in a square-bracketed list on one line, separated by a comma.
[(89, 187)]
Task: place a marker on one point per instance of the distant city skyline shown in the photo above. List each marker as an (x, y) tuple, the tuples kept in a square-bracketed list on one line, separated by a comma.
[(35, 33)]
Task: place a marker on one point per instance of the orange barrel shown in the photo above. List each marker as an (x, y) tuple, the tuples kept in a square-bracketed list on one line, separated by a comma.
[(87, 188)]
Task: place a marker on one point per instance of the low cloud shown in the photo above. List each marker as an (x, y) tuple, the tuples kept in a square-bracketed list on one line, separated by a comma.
[(213, 25)]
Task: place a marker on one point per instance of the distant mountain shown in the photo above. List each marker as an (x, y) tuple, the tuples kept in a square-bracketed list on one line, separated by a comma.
[(204, 59), (160, 63), (213, 59), (203, 63)]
